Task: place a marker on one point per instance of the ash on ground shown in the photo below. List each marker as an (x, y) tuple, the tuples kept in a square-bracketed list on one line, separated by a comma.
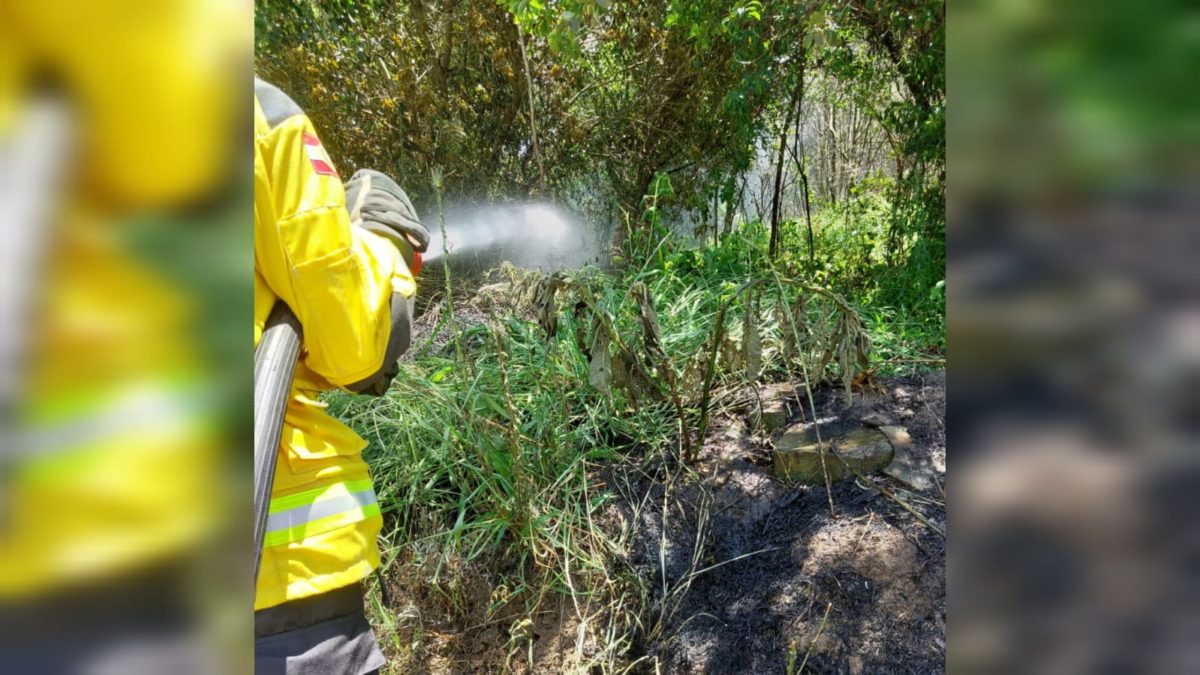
[(759, 572)]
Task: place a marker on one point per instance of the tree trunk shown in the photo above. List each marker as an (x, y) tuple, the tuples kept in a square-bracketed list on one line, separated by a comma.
[(800, 159), (729, 209), (793, 103), (741, 204), (804, 189), (537, 151), (716, 215), (807, 213)]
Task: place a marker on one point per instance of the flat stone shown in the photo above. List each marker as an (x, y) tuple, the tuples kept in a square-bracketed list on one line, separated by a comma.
[(771, 416), (907, 467), (777, 390), (798, 455), (777, 403)]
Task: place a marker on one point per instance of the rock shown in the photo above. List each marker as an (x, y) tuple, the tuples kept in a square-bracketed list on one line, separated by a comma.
[(907, 467), (777, 403), (897, 436), (771, 416), (798, 455)]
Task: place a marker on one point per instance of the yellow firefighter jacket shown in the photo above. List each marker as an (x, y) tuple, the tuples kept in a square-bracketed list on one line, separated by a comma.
[(338, 280)]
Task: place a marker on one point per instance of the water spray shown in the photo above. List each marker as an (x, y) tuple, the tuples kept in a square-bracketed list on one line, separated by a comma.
[(532, 235)]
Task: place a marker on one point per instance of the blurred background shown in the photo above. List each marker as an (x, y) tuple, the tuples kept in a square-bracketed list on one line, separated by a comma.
[(125, 203), (1074, 336)]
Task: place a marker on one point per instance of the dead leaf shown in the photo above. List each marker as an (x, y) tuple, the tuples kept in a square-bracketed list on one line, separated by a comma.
[(800, 315), (733, 356), (864, 382), (751, 341), (600, 368), (753, 351), (651, 332), (830, 351), (546, 304), (863, 349), (620, 372), (693, 376), (790, 348), (578, 314)]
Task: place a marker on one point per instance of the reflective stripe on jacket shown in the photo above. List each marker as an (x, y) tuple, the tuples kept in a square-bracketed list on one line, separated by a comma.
[(339, 281), (114, 432)]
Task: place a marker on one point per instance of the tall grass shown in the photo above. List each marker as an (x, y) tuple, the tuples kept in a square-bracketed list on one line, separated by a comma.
[(492, 456)]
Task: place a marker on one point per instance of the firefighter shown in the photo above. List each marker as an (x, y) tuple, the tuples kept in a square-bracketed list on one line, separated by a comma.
[(347, 272)]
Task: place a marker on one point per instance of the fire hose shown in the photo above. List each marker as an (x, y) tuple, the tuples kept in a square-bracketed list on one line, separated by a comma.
[(377, 204), (274, 366)]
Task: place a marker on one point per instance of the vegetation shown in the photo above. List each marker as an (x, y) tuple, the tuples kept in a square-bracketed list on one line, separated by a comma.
[(771, 177), (611, 369), (588, 103)]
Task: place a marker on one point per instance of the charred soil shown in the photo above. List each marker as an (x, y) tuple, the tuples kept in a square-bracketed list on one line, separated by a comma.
[(750, 574)]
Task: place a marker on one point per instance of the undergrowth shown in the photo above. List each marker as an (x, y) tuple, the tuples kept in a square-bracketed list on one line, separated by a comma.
[(488, 454)]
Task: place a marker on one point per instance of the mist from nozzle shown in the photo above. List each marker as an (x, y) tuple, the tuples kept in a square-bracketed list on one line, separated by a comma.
[(532, 235)]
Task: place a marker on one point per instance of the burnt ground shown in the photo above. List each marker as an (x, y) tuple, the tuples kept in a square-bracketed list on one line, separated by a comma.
[(752, 564)]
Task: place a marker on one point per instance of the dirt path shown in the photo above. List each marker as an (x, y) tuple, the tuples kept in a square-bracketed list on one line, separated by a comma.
[(745, 567)]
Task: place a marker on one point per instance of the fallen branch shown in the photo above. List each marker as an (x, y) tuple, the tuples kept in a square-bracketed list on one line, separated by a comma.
[(903, 504), (816, 637)]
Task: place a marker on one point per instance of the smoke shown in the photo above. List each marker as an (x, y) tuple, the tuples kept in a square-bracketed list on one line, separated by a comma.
[(532, 235)]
